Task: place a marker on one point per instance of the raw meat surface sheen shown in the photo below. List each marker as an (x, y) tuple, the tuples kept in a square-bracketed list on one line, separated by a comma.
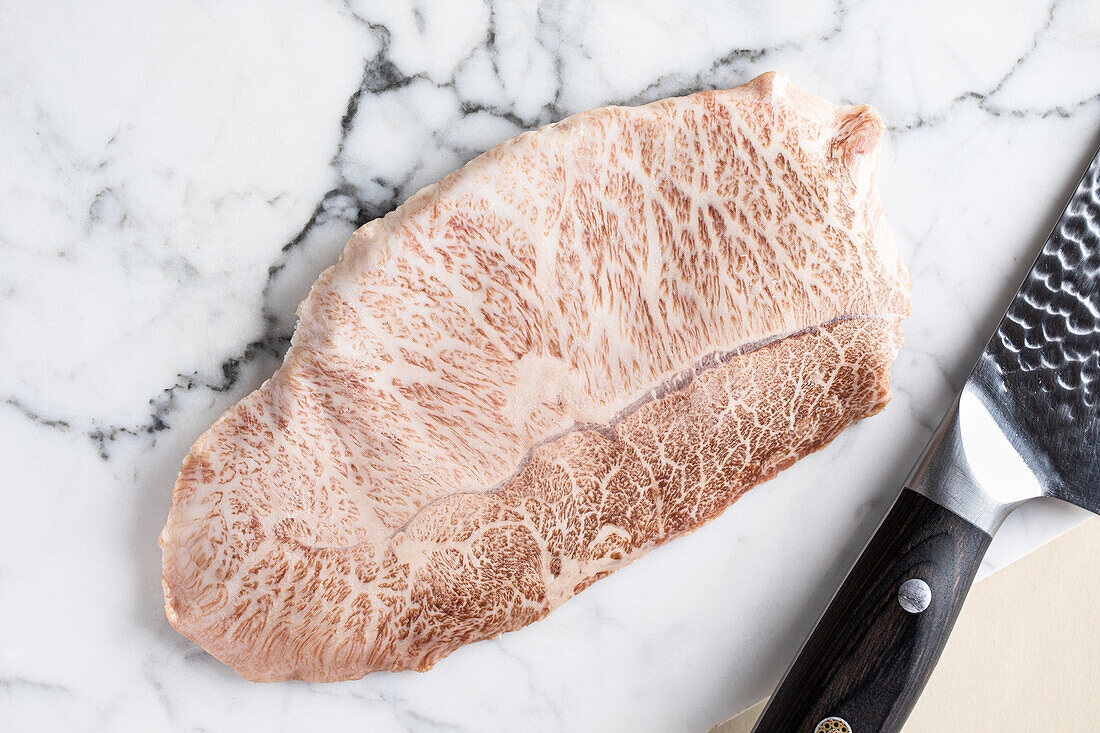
[(591, 339)]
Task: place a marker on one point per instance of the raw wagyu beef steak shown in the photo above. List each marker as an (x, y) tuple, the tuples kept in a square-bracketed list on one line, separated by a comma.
[(589, 340)]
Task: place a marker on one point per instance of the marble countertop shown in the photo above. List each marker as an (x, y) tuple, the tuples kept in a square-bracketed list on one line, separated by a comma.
[(173, 176)]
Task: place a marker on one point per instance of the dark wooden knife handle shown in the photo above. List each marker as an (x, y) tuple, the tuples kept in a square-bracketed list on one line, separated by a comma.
[(868, 659)]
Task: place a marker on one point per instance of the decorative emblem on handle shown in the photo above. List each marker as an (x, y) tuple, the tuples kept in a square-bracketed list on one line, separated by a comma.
[(833, 725)]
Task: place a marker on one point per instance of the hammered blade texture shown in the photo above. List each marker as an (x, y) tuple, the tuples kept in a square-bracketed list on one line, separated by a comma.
[(1041, 369)]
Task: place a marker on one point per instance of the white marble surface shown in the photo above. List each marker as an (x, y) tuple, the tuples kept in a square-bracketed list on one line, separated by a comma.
[(174, 175)]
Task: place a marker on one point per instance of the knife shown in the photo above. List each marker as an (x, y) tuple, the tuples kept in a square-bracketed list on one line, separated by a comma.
[(1026, 424)]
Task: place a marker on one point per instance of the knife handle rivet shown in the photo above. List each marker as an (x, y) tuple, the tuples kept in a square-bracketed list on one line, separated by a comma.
[(914, 595)]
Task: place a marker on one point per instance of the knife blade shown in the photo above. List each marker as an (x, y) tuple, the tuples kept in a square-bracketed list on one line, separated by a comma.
[(1025, 424)]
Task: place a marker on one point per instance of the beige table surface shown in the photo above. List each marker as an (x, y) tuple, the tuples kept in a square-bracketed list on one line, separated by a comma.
[(1025, 653)]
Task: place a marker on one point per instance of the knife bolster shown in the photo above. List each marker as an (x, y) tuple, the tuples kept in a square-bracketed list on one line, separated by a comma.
[(971, 468)]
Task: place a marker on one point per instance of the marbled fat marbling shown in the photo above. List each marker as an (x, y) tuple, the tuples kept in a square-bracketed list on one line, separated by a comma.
[(173, 178)]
